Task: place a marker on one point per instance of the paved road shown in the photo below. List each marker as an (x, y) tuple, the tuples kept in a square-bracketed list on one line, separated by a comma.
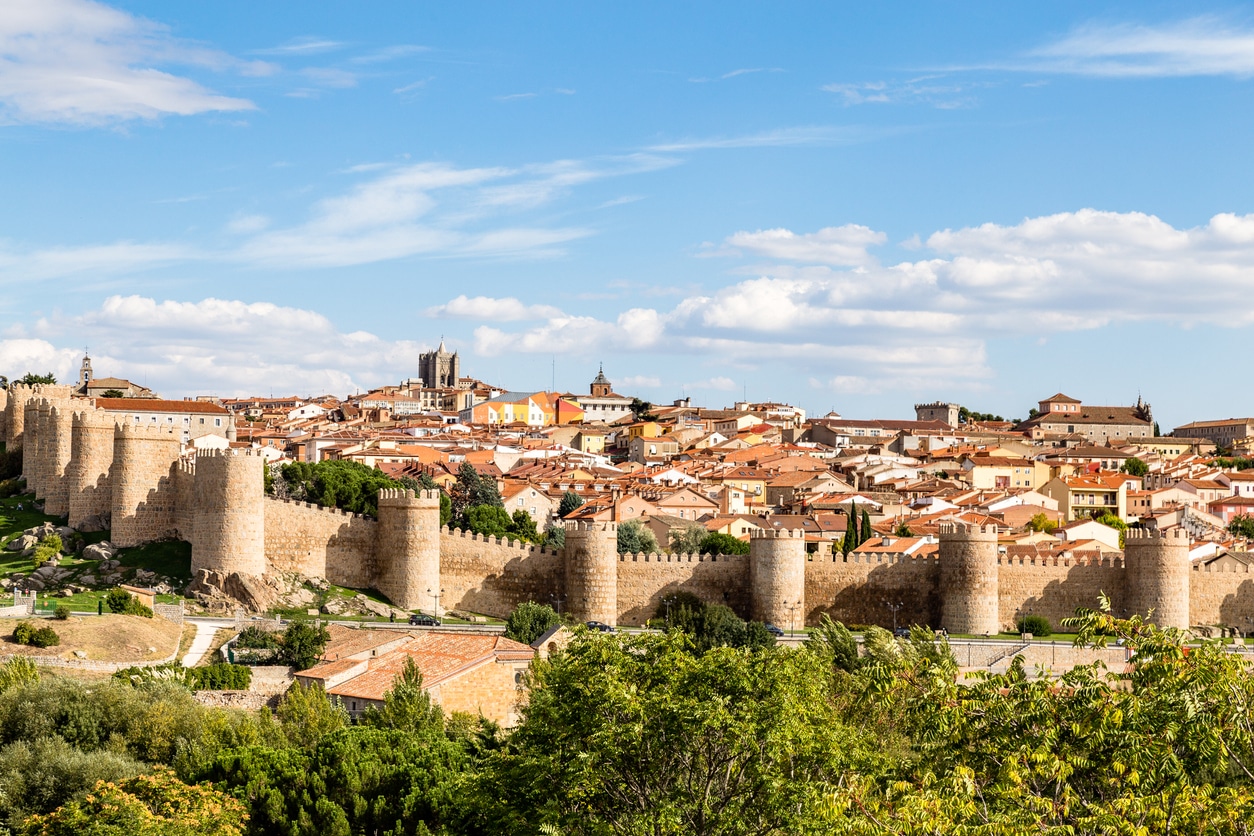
[(205, 631)]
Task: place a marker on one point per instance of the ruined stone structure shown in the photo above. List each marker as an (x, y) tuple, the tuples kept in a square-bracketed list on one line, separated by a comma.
[(142, 485)]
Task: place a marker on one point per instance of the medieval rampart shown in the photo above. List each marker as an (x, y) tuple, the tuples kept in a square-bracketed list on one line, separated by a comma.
[(645, 579), (319, 542), (141, 483), (493, 575)]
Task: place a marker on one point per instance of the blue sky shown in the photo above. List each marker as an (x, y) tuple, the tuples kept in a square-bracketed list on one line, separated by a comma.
[(848, 206)]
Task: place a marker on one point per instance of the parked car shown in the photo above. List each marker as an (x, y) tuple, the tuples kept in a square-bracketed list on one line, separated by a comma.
[(600, 627), (774, 631), (902, 632), (424, 620)]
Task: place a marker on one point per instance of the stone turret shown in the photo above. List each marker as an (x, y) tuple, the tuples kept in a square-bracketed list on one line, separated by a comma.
[(228, 528), (4, 415), (15, 415), (1156, 576), (777, 577), (968, 578), (34, 442), (143, 492), (591, 554), (408, 550), (60, 432), (91, 456)]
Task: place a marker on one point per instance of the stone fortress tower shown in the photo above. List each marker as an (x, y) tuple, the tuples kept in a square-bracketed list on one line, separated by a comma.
[(968, 579), (592, 571), (777, 576), (407, 558), (228, 519), (91, 458), (1158, 576), (143, 508)]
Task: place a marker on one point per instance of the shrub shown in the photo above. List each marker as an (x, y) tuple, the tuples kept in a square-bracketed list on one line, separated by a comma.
[(124, 603), (220, 677), (62, 612), (23, 632), (529, 621), (258, 639), (45, 637), (303, 644), (1037, 625)]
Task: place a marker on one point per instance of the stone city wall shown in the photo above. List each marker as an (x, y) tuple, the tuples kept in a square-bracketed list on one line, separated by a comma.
[(319, 542), (862, 589), (144, 496), (645, 579), (1056, 587), (491, 575), (1223, 597)]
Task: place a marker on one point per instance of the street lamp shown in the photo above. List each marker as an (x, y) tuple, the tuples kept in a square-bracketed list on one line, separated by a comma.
[(557, 602), (792, 616), (893, 608), (436, 595)]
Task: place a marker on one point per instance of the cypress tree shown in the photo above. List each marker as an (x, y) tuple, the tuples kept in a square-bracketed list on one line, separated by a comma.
[(865, 533), (851, 529)]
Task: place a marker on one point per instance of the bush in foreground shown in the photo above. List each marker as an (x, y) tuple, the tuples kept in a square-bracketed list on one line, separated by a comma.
[(1037, 625)]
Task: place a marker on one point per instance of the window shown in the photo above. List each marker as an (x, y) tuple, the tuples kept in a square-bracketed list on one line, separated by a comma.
[(520, 501), (202, 422), (217, 422)]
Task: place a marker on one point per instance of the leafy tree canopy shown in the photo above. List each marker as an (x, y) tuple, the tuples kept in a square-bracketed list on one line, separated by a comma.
[(718, 542), (31, 379), (635, 538), (529, 621), (570, 501), (1135, 467)]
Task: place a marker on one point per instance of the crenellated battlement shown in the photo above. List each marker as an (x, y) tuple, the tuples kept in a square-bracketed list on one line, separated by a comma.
[(590, 525), (313, 506), (968, 531), (148, 432), (777, 534), (667, 557), (1146, 535), (1095, 559)]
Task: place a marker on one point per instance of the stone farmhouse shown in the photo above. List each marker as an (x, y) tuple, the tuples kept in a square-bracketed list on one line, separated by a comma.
[(140, 482)]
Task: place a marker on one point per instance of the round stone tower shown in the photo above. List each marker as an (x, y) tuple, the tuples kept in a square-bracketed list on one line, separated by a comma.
[(1156, 576), (968, 578), (229, 524), (408, 549), (4, 414), (15, 415), (91, 455), (144, 501), (34, 458), (591, 555), (60, 432), (777, 577)]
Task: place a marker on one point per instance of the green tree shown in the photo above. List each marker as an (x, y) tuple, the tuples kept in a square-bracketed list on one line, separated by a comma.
[(120, 601), (158, 804), (112, 393), (32, 379), (306, 715), (523, 527), (709, 625), (903, 529), (1116, 523), (570, 501), (38, 776), (831, 641), (1041, 522), (1242, 525), (529, 621), (1135, 467), (333, 483), (407, 706), (555, 536), (642, 410), (488, 520), (865, 531), (687, 540), (634, 538), (718, 542), (851, 541), (303, 644), (18, 671), (726, 743)]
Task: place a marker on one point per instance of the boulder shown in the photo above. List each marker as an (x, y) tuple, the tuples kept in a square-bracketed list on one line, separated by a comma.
[(65, 532), (21, 544), (44, 572), (98, 551), (87, 580), (34, 584), (376, 608), (337, 606)]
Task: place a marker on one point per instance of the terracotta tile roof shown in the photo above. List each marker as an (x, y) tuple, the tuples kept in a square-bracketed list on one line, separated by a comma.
[(157, 405), (439, 657)]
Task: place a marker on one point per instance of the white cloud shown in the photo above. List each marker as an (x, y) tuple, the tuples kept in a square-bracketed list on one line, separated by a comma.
[(248, 224), (935, 90), (487, 308), (81, 62), (106, 259), (304, 45), (721, 384), (837, 245), (1197, 47), (782, 137), (330, 77), (226, 347), (875, 328), (638, 381)]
